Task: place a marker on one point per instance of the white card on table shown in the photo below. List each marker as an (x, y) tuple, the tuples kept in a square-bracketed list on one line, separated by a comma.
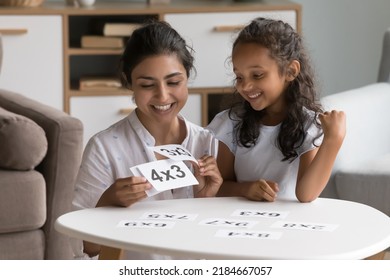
[(222, 222), (258, 213), (169, 216), (145, 224), (304, 226), (248, 234)]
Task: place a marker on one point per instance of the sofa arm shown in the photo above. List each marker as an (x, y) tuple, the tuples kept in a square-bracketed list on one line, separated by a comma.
[(59, 167), (384, 67), (368, 130)]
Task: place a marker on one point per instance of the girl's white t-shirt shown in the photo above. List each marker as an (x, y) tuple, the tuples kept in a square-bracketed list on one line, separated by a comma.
[(264, 159), (110, 153)]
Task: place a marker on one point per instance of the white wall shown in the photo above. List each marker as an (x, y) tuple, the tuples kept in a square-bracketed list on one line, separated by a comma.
[(344, 39)]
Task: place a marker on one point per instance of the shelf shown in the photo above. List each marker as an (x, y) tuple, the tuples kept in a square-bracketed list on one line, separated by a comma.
[(119, 92), (64, 62), (197, 21), (83, 51)]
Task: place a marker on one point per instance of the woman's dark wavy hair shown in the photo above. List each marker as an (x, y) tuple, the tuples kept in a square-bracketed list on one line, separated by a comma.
[(154, 38), (284, 45)]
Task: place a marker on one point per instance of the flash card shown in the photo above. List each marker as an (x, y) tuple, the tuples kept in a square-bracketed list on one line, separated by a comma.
[(175, 152), (145, 224), (304, 226), (165, 175), (258, 213), (152, 191), (222, 222), (169, 216), (248, 234)]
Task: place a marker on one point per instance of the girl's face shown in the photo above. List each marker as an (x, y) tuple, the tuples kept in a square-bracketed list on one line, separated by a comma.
[(258, 79), (160, 89)]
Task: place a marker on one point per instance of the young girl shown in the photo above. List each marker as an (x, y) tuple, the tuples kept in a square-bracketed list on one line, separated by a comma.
[(275, 146), (156, 65)]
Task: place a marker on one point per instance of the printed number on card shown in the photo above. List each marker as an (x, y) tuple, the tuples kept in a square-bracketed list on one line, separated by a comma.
[(167, 175)]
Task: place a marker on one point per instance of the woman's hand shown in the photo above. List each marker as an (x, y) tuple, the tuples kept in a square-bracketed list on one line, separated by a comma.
[(124, 192), (209, 177)]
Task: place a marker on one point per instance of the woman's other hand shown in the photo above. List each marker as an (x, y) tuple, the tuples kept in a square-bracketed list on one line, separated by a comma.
[(124, 192)]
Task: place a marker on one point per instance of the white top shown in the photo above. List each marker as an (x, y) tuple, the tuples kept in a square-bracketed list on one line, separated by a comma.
[(264, 160), (236, 228), (110, 154)]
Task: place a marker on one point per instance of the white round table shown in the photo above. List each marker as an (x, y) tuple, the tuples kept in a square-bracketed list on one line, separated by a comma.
[(236, 228)]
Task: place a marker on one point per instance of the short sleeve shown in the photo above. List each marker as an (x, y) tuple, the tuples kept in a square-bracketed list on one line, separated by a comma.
[(94, 176), (222, 128), (313, 136)]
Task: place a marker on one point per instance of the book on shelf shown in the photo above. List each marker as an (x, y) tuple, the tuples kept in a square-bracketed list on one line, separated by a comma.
[(93, 41), (100, 83), (119, 29)]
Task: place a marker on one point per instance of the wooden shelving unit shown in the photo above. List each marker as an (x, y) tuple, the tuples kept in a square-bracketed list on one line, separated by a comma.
[(219, 20)]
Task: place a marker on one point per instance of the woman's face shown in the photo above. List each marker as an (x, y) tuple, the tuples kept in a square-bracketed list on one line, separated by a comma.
[(160, 88), (258, 79)]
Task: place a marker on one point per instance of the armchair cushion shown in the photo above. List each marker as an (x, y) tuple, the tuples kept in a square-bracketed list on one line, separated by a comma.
[(23, 142), (22, 201)]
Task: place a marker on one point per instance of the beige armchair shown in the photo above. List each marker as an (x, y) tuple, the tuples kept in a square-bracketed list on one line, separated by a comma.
[(40, 153)]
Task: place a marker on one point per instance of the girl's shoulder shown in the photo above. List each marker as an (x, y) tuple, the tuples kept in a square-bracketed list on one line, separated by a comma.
[(222, 127), (311, 118), (195, 130), (312, 126), (199, 140), (308, 112), (222, 120)]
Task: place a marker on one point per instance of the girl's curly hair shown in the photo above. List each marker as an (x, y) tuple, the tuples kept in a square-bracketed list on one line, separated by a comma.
[(284, 45)]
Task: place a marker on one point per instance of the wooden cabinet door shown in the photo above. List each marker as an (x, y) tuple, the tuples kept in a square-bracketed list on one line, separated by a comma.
[(33, 57), (99, 112), (211, 35)]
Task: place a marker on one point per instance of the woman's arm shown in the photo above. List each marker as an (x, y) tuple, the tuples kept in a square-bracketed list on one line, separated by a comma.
[(123, 192), (315, 166)]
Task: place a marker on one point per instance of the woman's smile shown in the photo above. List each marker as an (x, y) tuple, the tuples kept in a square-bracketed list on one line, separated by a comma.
[(163, 108)]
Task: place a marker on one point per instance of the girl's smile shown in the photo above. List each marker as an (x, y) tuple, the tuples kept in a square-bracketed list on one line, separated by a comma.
[(253, 96), (258, 79)]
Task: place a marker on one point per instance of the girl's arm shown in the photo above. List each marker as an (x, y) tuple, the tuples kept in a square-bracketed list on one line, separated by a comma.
[(256, 190), (315, 166)]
